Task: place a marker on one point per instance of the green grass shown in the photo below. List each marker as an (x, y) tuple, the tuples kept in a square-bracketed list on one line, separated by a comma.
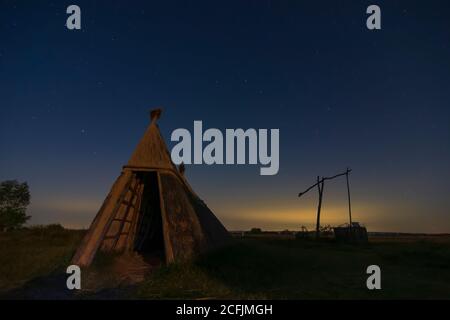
[(254, 268), (293, 269), (33, 252)]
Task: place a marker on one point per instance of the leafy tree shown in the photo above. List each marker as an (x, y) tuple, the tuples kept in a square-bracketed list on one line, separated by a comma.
[(14, 199)]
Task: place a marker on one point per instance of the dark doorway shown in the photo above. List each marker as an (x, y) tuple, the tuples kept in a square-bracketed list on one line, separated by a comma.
[(149, 237)]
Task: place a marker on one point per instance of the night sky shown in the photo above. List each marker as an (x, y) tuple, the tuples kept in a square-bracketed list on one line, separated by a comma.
[(74, 104)]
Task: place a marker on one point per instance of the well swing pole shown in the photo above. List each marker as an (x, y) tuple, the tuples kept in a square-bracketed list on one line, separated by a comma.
[(323, 179), (320, 185)]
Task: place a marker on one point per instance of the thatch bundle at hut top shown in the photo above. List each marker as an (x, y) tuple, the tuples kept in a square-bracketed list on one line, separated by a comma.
[(152, 209)]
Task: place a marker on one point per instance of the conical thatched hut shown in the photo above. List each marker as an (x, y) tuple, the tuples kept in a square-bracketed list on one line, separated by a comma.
[(152, 209)]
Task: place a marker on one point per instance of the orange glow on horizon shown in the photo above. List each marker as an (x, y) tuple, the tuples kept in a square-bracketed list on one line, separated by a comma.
[(273, 215)]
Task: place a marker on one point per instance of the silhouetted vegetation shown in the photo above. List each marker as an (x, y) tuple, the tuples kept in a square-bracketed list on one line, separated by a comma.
[(14, 199)]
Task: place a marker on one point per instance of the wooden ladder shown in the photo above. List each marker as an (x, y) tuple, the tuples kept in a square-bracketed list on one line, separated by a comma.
[(134, 193)]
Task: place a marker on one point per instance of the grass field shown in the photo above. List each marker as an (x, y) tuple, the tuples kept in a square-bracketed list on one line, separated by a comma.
[(254, 268), (34, 252)]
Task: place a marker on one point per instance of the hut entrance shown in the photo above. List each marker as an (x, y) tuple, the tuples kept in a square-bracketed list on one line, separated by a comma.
[(149, 239)]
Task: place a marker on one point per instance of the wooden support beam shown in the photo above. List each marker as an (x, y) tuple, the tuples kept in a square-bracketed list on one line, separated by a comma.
[(320, 185), (349, 202), (319, 206)]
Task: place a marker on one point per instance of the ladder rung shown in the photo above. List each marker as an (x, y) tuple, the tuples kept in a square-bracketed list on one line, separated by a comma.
[(122, 220), (128, 203), (116, 235)]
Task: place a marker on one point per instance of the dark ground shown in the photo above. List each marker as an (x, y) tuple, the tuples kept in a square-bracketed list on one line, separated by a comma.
[(32, 264)]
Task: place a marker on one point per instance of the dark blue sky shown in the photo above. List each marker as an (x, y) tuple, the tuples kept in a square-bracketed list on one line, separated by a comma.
[(73, 104)]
